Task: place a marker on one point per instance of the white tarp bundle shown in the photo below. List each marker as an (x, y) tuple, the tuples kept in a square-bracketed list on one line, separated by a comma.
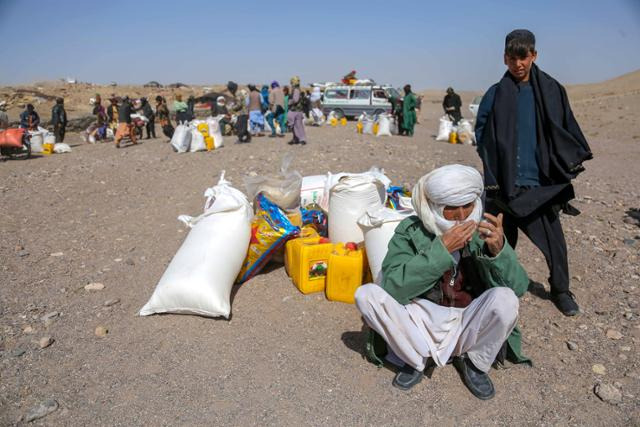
[(201, 274)]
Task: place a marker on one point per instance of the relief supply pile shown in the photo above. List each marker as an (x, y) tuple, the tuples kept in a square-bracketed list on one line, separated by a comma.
[(331, 232), (197, 135), (463, 133)]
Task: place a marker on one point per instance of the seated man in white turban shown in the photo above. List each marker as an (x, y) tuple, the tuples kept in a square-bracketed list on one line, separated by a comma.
[(449, 287)]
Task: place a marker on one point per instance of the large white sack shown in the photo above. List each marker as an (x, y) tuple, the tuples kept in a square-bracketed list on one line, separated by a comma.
[(201, 274), (332, 179), (181, 139), (466, 134), (197, 141), (49, 138), (312, 189), (384, 125), (36, 140), (378, 227), (351, 197), (367, 125), (318, 116), (215, 132), (446, 126)]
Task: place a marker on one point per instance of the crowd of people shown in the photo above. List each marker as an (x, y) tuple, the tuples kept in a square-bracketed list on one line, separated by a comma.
[(244, 112), (451, 278)]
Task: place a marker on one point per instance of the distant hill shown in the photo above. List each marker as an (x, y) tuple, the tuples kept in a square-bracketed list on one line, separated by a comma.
[(624, 84)]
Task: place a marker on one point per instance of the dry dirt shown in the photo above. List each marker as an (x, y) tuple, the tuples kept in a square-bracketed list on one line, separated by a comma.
[(104, 215)]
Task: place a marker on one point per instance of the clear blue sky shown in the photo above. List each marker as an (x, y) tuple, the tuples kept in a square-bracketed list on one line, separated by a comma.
[(431, 44)]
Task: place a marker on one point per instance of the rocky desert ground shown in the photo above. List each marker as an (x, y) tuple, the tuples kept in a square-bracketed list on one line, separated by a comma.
[(107, 216)]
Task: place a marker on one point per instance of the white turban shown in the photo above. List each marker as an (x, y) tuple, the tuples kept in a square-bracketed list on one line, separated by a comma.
[(451, 185)]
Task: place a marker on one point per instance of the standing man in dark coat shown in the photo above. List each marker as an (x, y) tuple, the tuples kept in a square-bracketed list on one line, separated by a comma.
[(59, 119), (150, 115), (451, 105), (531, 147)]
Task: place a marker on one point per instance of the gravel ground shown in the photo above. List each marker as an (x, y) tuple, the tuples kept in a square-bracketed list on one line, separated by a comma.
[(101, 215)]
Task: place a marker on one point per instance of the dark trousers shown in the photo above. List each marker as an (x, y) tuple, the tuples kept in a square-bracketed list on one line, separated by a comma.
[(59, 131), (545, 232), (242, 128), (455, 116), (151, 128)]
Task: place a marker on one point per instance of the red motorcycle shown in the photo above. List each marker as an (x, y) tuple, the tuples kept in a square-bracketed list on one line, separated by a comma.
[(15, 143)]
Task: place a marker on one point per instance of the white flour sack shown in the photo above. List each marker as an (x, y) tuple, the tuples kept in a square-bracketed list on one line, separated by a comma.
[(378, 226), (312, 189), (384, 125), (351, 197), (215, 132), (200, 276), (181, 139), (197, 141), (446, 126)]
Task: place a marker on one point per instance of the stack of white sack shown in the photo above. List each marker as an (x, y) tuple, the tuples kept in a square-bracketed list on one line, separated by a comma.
[(378, 226), (349, 197), (201, 274)]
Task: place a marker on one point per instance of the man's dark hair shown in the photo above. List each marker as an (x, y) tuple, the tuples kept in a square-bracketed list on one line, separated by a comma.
[(520, 43)]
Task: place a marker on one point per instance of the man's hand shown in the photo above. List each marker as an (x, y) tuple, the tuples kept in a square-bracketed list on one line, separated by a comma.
[(492, 233), (459, 235)]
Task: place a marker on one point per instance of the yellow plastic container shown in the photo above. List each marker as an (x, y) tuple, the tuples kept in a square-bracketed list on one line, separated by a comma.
[(209, 141), (47, 148), (333, 121), (453, 137), (343, 121), (375, 128), (203, 128), (348, 269), (305, 233), (306, 261), (359, 127)]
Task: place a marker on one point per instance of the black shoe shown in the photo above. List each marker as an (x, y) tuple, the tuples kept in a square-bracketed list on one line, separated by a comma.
[(273, 135), (566, 303), (303, 142), (478, 382), (293, 142), (406, 378)]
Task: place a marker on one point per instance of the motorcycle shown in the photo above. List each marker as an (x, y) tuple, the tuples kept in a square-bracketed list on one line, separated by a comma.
[(15, 143)]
